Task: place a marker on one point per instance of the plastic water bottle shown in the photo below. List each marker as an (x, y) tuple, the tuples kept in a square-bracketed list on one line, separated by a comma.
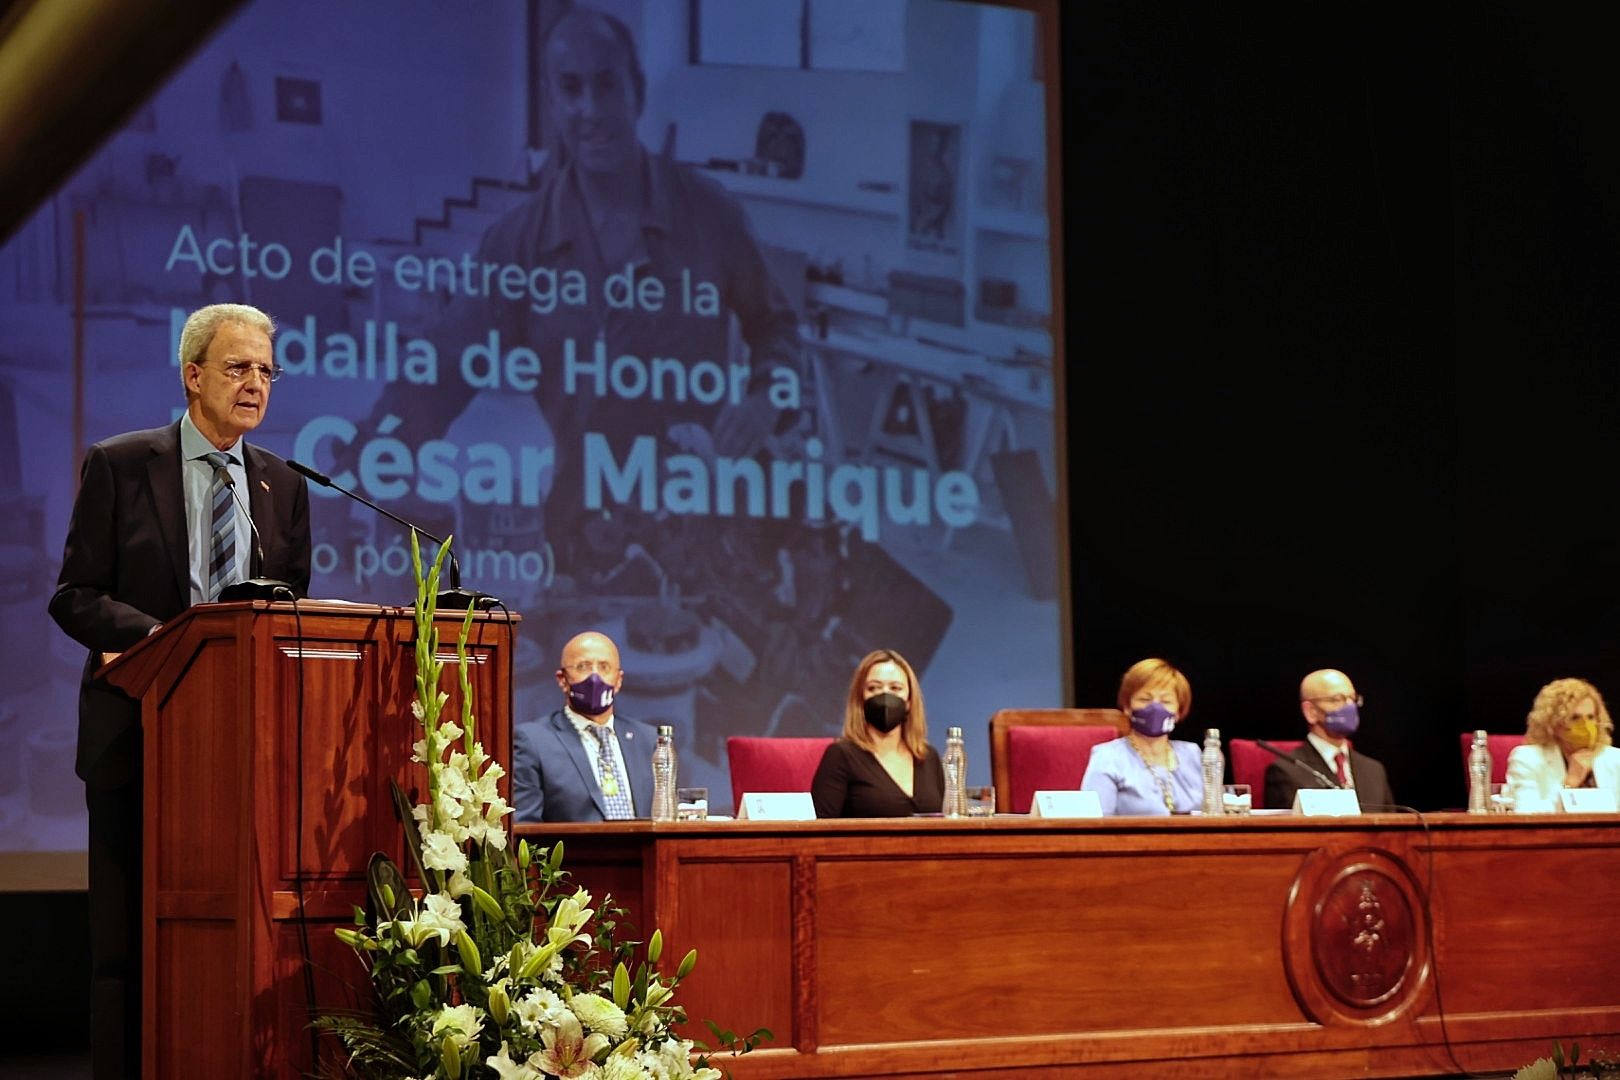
[(1479, 775), (955, 804), (1214, 773), (664, 773)]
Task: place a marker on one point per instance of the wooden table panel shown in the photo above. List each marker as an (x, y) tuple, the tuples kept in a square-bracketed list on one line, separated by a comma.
[(1250, 947)]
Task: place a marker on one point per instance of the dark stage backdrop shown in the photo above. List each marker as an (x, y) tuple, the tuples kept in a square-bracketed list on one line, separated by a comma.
[(849, 214), (1344, 286)]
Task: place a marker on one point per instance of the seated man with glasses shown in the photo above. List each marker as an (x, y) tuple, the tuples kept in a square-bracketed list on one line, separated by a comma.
[(1332, 710), (582, 763), (164, 519)]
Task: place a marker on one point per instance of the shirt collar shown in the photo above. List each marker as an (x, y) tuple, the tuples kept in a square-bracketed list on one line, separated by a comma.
[(584, 724), (194, 446), (566, 205), (1328, 751)]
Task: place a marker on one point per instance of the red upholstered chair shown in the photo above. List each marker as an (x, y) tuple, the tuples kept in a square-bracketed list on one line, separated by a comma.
[(1049, 759), (1501, 746), (772, 764), (1249, 765), (1044, 750)]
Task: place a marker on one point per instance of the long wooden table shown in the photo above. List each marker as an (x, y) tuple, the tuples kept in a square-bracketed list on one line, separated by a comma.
[(1269, 946)]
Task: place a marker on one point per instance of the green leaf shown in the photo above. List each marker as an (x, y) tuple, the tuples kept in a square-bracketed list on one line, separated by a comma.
[(421, 994), (446, 969)]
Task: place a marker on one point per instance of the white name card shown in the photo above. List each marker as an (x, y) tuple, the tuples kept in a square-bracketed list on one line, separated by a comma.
[(777, 806), (1066, 804), (1589, 801), (1326, 802)]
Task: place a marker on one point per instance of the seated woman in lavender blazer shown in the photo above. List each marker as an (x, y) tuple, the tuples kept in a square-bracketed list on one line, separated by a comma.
[(1147, 772)]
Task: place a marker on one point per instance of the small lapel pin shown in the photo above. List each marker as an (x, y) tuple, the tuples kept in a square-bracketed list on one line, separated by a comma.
[(265, 484)]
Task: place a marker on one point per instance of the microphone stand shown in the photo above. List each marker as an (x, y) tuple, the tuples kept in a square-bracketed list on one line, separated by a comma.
[(1288, 759), (455, 598)]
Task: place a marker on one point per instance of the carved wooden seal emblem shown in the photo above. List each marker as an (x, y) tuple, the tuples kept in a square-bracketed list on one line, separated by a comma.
[(1358, 937)]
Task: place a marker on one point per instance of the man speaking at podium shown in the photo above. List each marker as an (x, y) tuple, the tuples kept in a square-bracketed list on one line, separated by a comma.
[(162, 521)]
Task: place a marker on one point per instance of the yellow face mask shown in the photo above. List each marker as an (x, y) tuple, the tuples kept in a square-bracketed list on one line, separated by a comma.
[(1581, 734)]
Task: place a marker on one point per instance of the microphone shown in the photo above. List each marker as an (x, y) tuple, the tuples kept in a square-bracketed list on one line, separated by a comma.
[(254, 588), (1286, 759), (455, 598)]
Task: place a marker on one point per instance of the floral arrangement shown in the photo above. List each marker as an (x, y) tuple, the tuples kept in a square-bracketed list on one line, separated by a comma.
[(496, 970), (1601, 1067)]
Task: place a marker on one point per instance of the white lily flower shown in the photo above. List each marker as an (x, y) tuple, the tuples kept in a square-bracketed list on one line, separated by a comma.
[(507, 1069)]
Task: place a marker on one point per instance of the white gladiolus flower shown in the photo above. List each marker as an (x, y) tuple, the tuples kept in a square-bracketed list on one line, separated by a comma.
[(441, 914), (441, 852)]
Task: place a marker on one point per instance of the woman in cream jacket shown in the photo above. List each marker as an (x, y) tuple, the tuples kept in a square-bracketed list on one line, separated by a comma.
[(1568, 743)]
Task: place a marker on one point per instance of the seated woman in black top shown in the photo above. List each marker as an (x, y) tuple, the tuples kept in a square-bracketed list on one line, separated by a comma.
[(883, 765)]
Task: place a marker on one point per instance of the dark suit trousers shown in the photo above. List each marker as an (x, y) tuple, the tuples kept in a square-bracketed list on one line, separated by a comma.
[(115, 928)]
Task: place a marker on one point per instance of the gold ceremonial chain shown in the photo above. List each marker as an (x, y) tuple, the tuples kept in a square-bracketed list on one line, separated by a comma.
[(1162, 779)]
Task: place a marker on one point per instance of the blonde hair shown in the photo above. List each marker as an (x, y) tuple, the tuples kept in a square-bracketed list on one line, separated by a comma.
[(1552, 709), (913, 732), (1153, 673), (202, 324)]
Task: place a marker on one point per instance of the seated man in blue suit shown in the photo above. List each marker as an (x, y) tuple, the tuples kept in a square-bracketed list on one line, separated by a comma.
[(582, 763)]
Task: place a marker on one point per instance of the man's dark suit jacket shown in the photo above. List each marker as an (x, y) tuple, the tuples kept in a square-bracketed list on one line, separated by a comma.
[(552, 779), (1282, 781), (125, 568)]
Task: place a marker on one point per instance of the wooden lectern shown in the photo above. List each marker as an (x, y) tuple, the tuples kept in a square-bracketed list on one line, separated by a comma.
[(271, 731)]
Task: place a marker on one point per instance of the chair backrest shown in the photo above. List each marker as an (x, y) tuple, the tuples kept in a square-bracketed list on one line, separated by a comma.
[(759, 764), (1249, 765), (1501, 746), (1066, 756)]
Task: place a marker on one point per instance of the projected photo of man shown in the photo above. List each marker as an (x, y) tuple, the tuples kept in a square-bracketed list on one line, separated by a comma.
[(727, 597)]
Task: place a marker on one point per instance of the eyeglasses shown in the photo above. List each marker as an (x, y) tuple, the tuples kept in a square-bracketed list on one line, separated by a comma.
[(1337, 701), (583, 668), (238, 371)]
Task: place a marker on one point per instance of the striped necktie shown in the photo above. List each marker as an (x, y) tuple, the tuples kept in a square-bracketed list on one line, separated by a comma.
[(221, 530), (614, 795)]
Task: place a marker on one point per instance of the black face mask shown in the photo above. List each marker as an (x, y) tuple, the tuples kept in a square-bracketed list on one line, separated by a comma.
[(885, 712)]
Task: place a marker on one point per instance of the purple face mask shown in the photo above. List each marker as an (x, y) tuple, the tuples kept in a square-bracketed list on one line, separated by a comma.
[(591, 696), (1153, 719), (1342, 721)]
